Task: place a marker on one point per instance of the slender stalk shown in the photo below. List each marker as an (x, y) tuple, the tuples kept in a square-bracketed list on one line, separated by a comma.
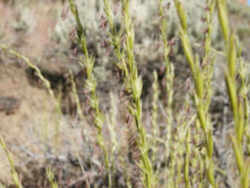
[(135, 87), (116, 38), (76, 97), (169, 76), (155, 133), (91, 85), (12, 165), (200, 90), (51, 177), (238, 98)]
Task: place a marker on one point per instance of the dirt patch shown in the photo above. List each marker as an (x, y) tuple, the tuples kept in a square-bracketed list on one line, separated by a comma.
[(15, 127), (45, 19), (28, 28)]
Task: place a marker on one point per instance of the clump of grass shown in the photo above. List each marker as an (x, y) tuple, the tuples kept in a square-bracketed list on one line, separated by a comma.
[(91, 85), (238, 97), (115, 37), (202, 91), (135, 108), (179, 150)]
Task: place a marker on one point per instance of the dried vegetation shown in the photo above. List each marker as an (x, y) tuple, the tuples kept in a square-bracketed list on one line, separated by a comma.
[(108, 93)]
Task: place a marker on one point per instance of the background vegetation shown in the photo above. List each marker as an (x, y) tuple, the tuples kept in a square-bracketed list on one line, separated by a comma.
[(108, 93)]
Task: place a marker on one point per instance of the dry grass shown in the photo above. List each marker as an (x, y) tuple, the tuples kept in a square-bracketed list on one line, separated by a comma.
[(111, 131)]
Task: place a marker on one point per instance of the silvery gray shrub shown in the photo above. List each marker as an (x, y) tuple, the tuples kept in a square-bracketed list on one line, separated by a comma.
[(146, 20), (144, 13)]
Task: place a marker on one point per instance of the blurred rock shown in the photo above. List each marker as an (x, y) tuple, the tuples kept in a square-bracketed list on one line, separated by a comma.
[(9, 105)]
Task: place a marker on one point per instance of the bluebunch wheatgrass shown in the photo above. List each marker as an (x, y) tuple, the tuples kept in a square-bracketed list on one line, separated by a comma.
[(94, 103), (199, 152), (132, 81), (223, 18), (207, 72), (169, 74), (200, 91), (209, 22), (76, 97), (202, 169), (116, 42), (135, 108), (243, 90), (91, 85), (116, 38), (180, 137), (169, 84), (112, 123), (238, 99), (187, 160), (155, 128), (183, 138), (14, 174), (51, 178)]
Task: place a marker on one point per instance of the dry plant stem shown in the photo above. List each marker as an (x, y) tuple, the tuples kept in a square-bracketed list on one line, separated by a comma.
[(51, 178), (200, 90), (135, 86), (208, 60), (238, 99), (12, 165), (116, 38), (116, 42), (187, 160), (183, 148), (169, 73), (155, 133), (91, 85), (243, 91), (79, 27), (94, 102), (198, 138), (28, 62), (155, 127), (111, 120), (169, 76), (77, 100)]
